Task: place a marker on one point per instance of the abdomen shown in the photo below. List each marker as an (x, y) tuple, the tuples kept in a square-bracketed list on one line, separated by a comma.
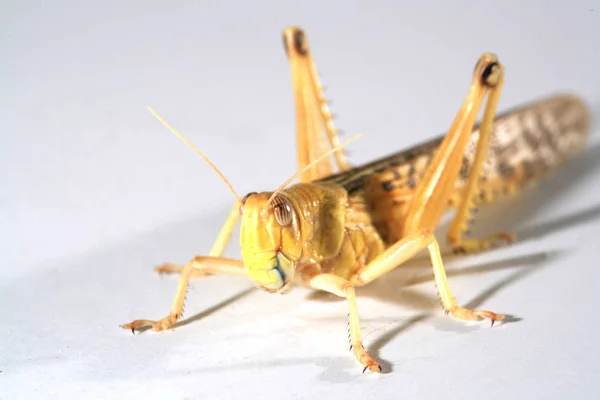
[(528, 144)]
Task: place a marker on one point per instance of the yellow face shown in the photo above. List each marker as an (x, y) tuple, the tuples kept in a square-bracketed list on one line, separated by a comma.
[(270, 241)]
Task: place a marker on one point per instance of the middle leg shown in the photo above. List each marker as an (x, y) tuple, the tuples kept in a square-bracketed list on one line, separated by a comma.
[(201, 266), (217, 249)]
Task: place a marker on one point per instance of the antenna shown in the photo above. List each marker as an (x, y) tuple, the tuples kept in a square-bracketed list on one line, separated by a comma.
[(186, 141), (327, 154)]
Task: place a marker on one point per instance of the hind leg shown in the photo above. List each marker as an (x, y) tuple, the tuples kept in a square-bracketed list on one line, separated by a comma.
[(435, 189), (314, 122), (463, 213)]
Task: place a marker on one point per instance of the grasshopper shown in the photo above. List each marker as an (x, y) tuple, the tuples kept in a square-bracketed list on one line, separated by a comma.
[(337, 230)]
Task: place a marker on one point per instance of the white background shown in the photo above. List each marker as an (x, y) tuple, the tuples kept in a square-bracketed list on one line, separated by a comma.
[(95, 192)]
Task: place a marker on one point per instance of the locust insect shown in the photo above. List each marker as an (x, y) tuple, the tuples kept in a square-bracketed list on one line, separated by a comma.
[(336, 230)]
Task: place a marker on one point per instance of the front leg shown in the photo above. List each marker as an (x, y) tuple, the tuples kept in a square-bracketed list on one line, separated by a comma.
[(341, 287), (217, 249), (205, 265)]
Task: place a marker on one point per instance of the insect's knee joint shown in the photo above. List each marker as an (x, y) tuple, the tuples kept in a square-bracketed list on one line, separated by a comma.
[(489, 69), (491, 74), (347, 288), (198, 259), (357, 279), (425, 233)]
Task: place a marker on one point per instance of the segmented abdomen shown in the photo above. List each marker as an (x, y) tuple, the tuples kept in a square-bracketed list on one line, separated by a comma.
[(532, 141), (528, 143)]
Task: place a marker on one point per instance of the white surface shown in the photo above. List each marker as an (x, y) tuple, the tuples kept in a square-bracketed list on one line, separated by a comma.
[(95, 192)]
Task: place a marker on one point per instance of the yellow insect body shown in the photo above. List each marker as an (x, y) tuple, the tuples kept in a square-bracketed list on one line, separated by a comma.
[(334, 232)]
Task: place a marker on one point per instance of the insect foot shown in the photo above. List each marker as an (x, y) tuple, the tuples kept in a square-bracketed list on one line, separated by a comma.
[(365, 359), (172, 269), (160, 325), (168, 268), (473, 315), (372, 366), (471, 246)]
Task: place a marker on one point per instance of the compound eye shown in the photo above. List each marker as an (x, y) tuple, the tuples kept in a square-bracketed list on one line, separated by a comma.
[(282, 208)]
